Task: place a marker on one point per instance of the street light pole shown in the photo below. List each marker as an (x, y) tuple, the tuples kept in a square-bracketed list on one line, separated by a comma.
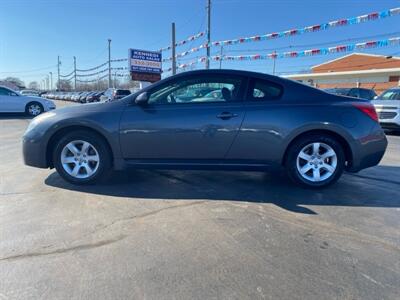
[(173, 50), (109, 63), (74, 73), (58, 71), (51, 81)]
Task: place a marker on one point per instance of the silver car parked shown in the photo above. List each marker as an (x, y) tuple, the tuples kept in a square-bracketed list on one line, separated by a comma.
[(14, 102), (387, 106)]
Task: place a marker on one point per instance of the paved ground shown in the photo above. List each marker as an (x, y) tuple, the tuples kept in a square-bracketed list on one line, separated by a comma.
[(200, 235)]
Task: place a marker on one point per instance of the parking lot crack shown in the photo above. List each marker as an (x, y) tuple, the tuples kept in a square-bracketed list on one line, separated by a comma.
[(64, 250), (145, 215)]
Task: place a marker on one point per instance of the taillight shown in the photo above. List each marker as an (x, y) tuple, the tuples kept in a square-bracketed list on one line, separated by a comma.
[(368, 109)]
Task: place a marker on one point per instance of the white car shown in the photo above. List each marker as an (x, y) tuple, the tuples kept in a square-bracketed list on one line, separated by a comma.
[(387, 106), (12, 101), (29, 93)]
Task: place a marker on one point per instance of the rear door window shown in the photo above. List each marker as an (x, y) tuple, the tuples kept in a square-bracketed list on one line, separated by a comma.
[(264, 90)]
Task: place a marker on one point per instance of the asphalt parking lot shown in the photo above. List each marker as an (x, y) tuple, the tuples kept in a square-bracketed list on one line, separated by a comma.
[(196, 234)]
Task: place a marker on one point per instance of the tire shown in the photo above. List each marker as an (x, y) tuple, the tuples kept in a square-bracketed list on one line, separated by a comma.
[(76, 166), (34, 109), (315, 169)]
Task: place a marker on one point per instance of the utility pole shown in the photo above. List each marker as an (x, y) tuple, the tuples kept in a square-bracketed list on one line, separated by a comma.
[(74, 73), (109, 63), (220, 56), (51, 81), (273, 68), (58, 71), (208, 34), (47, 82), (173, 50)]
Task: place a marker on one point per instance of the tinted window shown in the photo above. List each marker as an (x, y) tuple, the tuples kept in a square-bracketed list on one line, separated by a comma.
[(6, 92), (123, 92), (341, 92), (265, 90), (366, 94), (197, 90), (354, 93)]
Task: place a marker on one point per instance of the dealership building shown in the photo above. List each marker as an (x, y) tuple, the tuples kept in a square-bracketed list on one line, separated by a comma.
[(370, 71)]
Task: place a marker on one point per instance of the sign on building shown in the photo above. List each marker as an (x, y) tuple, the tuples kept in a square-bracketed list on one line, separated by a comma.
[(145, 65)]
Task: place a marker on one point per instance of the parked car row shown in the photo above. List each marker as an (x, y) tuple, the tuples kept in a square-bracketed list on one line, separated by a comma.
[(82, 97), (88, 97)]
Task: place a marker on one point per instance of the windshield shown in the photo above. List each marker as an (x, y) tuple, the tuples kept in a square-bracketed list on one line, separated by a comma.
[(390, 95), (342, 92)]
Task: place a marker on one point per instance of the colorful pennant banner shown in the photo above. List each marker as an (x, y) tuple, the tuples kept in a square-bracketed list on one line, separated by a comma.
[(314, 28), (295, 54), (193, 50), (183, 42), (312, 52)]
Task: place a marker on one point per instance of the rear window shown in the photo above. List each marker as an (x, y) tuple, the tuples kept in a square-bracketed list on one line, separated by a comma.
[(123, 92), (341, 92), (265, 90)]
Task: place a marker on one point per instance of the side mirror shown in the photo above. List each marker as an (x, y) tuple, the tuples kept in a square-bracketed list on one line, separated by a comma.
[(142, 98)]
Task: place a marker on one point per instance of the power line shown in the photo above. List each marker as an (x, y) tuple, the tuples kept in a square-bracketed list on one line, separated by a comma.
[(30, 71)]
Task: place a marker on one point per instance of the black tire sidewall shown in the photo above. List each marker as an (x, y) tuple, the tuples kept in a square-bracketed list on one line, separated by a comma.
[(36, 103), (291, 162), (97, 142)]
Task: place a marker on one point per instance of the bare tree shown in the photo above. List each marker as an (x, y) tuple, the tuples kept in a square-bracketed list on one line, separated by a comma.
[(64, 85), (16, 81), (34, 85)]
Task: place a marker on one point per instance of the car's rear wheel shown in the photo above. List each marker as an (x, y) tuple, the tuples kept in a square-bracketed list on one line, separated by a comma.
[(82, 157), (34, 109), (315, 161)]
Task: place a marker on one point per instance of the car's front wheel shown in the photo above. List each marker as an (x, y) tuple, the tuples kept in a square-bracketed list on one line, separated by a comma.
[(82, 157), (315, 161), (34, 109)]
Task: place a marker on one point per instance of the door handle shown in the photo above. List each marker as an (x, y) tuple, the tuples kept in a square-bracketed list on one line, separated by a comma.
[(226, 115)]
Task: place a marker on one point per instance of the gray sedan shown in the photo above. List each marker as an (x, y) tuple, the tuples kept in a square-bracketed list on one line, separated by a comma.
[(256, 122)]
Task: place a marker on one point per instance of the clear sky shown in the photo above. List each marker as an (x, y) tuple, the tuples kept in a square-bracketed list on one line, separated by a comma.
[(34, 32)]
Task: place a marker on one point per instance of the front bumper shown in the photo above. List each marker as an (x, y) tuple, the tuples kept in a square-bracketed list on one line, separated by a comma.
[(34, 151)]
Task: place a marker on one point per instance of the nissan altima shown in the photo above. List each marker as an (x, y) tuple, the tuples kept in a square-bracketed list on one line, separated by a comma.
[(252, 121)]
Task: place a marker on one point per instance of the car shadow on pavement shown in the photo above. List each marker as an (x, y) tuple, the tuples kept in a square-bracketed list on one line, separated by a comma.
[(375, 187), (14, 116)]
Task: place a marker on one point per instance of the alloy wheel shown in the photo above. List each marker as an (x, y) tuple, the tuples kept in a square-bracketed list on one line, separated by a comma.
[(316, 162), (80, 159), (34, 109)]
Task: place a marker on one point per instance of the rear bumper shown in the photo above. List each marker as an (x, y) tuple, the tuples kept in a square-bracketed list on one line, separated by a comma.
[(390, 126), (369, 152)]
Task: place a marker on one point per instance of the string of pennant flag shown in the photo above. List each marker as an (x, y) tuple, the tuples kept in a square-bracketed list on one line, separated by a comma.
[(183, 42), (395, 41), (293, 32), (314, 28)]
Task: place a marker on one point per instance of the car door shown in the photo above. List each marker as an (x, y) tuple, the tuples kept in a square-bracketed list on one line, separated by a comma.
[(11, 101), (183, 121), (259, 137)]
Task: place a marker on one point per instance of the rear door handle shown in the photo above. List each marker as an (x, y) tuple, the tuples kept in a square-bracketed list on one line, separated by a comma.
[(226, 115)]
